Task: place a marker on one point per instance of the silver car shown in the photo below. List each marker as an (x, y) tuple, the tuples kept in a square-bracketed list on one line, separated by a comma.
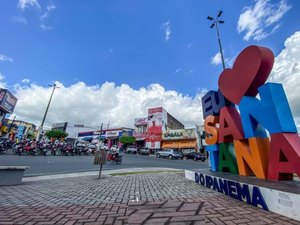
[(170, 153)]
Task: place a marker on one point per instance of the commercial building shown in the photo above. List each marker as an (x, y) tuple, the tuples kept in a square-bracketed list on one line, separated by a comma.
[(149, 130), (73, 129), (180, 139), (7, 105), (108, 136), (18, 129)]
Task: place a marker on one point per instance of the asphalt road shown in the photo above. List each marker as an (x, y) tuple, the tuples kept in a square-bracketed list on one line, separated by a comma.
[(42, 165)]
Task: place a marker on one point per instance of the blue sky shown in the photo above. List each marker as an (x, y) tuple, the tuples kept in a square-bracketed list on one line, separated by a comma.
[(132, 43)]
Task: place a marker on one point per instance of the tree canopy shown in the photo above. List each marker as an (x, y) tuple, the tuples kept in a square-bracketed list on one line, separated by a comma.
[(56, 134), (127, 140)]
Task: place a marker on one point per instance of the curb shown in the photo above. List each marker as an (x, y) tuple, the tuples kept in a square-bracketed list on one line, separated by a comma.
[(94, 173)]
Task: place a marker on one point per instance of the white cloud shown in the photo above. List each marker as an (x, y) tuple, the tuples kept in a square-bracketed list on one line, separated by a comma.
[(22, 4), (262, 19), (5, 58), (178, 70), (2, 83), (44, 27), (167, 29), (286, 70), (25, 81), (19, 19), (216, 60), (91, 105), (51, 7)]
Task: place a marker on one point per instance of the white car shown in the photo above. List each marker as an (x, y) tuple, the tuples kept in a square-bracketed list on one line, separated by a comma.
[(131, 149)]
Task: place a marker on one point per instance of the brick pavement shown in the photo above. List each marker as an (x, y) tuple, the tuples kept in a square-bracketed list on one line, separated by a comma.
[(164, 198)]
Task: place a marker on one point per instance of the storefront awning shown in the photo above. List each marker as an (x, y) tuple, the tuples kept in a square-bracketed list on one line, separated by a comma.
[(179, 144)]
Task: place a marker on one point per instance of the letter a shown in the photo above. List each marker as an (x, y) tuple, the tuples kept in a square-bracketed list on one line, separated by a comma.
[(227, 161), (230, 125), (284, 156)]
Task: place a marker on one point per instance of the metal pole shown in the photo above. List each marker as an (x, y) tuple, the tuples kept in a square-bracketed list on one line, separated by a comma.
[(10, 126), (220, 46), (42, 124), (101, 155)]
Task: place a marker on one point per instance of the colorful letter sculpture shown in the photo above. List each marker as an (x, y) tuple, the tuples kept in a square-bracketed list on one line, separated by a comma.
[(261, 138)]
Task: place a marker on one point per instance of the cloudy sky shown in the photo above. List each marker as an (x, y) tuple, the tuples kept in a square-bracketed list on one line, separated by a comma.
[(114, 59)]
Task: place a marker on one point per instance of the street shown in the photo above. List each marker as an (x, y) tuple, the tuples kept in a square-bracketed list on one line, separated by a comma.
[(42, 165)]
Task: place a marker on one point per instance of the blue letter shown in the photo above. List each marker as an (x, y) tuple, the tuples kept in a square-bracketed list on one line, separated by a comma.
[(213, 156), (243, 192), (196, 177), (232, 189), (223, 186), (209, 181), (257, 199), (272, 112)]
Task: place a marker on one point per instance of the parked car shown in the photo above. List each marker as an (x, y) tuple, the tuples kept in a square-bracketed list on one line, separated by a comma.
[(195, 156), (170, 153), (131, 149), (144, 151)]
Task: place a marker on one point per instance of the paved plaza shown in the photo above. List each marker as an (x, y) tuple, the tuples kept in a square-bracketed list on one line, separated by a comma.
[(156, 198)]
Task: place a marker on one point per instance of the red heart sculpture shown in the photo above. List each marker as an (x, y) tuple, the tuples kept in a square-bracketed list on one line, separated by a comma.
[(250, 70)]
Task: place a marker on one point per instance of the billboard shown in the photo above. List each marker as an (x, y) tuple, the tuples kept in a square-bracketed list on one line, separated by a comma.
[(141, 121), (179, 134), (7, 101), (156, 120)]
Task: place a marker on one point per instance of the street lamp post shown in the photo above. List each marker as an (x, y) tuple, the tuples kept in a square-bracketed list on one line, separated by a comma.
[(215, 23), (44, 118)]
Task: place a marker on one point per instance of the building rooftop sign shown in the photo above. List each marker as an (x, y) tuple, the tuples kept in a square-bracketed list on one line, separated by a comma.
[(7, 101)]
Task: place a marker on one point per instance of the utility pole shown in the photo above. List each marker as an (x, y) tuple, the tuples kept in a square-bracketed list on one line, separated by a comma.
[(102, 153), (216, 22), (44, 118), (10, 126)]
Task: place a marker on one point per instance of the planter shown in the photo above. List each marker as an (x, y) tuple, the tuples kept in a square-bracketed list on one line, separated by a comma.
[(11, 175)]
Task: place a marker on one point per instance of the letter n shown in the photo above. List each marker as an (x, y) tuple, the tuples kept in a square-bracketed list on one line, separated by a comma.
[(284, 156), (252, 156), (227, 161), (271, 112)]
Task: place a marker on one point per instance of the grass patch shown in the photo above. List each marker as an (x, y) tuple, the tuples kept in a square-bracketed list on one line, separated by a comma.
[(146, 172)]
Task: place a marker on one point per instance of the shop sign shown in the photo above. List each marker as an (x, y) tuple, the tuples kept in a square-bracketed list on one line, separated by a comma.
[(7, 101), (179, 134), (113, 133)]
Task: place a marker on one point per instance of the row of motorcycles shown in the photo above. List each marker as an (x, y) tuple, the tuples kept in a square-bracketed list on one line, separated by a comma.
[(5, 144), (42, 148)]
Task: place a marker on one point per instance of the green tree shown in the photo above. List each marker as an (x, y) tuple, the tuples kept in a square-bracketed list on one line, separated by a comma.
[(127, 140), (56, 134)]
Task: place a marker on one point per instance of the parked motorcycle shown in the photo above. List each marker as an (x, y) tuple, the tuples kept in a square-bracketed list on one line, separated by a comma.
[(28, 149), (5, 144), (69, 150), (42, 149)]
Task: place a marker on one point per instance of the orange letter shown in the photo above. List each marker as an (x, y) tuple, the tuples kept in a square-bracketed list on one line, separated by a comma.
[(211, 130), (252, 156)]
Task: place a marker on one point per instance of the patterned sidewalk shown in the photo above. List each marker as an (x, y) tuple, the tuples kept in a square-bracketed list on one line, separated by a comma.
[(165, 198)]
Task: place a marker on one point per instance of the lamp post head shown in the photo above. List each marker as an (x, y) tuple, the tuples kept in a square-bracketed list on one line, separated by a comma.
[(220, 13), (210, 18)]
